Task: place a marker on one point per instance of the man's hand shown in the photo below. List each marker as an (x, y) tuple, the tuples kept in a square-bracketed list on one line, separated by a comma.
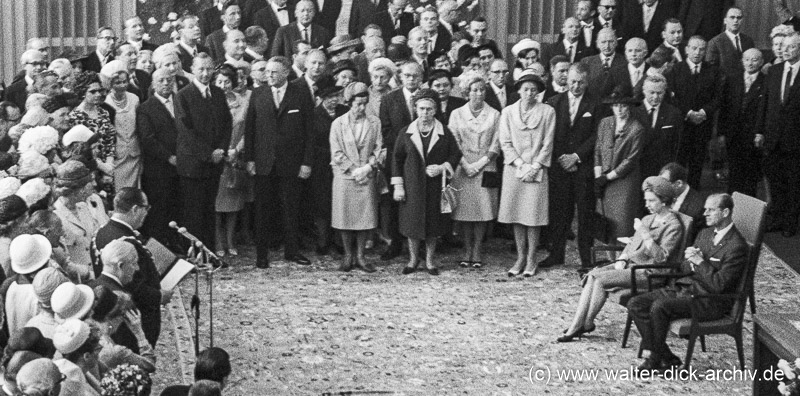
[(433, 170), (173, 160), (759, 140), (694, 255), (399, 193), (251, 168), (568, 161), (217, 155), (305, 172)]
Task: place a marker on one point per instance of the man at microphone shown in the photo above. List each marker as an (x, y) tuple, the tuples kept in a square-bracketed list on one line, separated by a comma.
[(130, 209)]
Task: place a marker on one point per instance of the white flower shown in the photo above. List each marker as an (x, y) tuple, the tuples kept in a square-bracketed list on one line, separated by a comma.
[(172, 16), (165, 27), (146, 37), (152, 21)]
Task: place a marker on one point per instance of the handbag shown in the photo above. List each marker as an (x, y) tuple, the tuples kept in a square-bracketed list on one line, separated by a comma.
[(449, 201), (490, 179), (234, 177)]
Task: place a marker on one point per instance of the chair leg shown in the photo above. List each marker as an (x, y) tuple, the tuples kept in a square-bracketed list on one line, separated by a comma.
[(739, 349), (690, 349), (703, 343), (627, 330), (752, 300), (639, 354)]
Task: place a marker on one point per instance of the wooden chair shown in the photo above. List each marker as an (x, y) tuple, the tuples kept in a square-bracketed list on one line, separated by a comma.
[(750, 222)]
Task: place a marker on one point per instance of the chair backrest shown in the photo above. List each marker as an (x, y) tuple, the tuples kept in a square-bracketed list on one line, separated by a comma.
[(687, 222), (749, 215)]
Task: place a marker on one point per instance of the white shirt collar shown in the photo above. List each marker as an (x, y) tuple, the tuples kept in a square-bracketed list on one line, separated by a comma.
[(225, 29), (188, 49), (122, 222), (407, 94), (309, 81), (567, 44), (644, 5), (202, 87), (732, 37), (275, 7), (558, 88), (28, 80), (163, 99), (793, 67), (640, 69), (603, 21), (101, 56), (495, 88), (573, 97), (254, 54), (230, 60), (603, 58), (114, 277), (648, 106), (301, 27), (281, 89), (718, 235)]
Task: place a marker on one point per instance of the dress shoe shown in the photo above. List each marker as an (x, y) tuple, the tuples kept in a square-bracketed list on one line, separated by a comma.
[(671, 361), (363, 265), (433, 271), (515, 270), (298, 258), (789, 232), (549, 262), (347, 264), (391, 252), (530, 270), (408, 270), (649, 365), (577, 334), (264, 264)]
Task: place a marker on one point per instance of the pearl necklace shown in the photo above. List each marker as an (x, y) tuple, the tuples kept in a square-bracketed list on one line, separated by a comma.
[(121, 104)]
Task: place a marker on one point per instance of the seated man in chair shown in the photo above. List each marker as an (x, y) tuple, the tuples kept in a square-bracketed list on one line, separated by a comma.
[(715, 265)]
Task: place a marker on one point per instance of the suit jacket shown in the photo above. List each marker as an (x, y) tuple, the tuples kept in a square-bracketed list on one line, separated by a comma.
[(210, 20), (695, 92), (723, 54), (142, 89), (615, 26), (145, 288), (327, 16), (395, 116), (158, 135), (576, 136), (123, 336), (214, 43), (17, 93), (737, 107), (384, 20), (660, 144), (558, 48), (91, 62), (780, 120), (444, 40), (452, 104), (204, 125), (363, 13), (721, 270), (279, 137), (492, 100), (631, 19), (266, 18), (694, 206), (599, 77), (287, 35), (622, 76), (703, 17), (187, 58)]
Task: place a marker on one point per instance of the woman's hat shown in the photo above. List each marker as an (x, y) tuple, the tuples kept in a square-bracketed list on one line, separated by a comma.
[(425, 94), (341, 43), (342, 65), (525, 44), (32, 164), (46, 282), (355, 89), (70, 335), (78, 133), (529, 76), (72, 301), (33, 191), (621, 94), (40, 139), (29, 252), (73, 174), (11, 208), (9, 186), (659, 186), (329, 91)]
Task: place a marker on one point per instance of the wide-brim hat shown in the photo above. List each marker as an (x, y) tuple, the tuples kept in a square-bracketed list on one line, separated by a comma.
[(29, 252), (78, 133), (528, 76), (73, 174), (72, 301), (525, 44), (621, 95), (341, 43), (342, 65)]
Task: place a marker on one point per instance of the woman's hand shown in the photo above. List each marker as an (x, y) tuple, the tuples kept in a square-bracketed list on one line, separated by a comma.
[(231, 158), (399, 193), (600, 184), (133, 318), (620, 265), (433, 170)]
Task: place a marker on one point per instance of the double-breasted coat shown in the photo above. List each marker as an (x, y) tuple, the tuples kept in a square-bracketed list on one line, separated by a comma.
[(420, 214)]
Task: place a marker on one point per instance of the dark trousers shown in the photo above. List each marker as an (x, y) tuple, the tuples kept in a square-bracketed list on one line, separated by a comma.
[(783, 173), (693, 150), (568, 189), (744, 165), (198, 207), (164, 196), (277, 195), (652, 312)]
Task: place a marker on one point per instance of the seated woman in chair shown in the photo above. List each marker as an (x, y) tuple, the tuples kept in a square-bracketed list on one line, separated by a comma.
[(657, 240)]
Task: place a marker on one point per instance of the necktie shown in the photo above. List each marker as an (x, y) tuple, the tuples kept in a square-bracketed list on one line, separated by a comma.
[(573, 108), (194, 52), (207, 93), (501, 96), (571, 52), (696, 70), (652, 117), (787, 85), (748, 82), (397, 23), (168, 105), (410, 106), (277, 97), (607, 63), (636, 77), (134, 81), (607, 24), (738, 45), (305, 34)]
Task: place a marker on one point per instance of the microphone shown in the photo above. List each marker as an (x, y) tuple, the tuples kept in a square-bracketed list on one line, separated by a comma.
[(196, 242)]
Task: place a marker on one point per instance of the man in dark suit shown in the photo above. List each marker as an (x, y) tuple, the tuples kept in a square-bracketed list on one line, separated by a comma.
[(439, 39), (189, 45), (441, 82), (374, 47), (155, 125), (633, 74), (663, 127), (204, 131), (607, 11), (418, 43), (364, 13), (393, 21), (257, 44), (688, 201), (33, 62), (559, 71), (104, 50), (130, 210), (716, 263), (278, 150), (314, 78), (120, 265), (498, 94), (210, 18), (673, 40), (778, 135), (271, 17), (696, 87), (571, 179), (476, 33), (742, 98), (138, 80), (304, 29), (703, 17), (215, 42), (326, 12), (571, 47), (645, 19), (396, 114), (585, 12), (599, 66), (725, 49), (134, 33)]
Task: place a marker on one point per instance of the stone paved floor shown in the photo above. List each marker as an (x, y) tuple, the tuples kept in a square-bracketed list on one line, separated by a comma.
[(297, 331)]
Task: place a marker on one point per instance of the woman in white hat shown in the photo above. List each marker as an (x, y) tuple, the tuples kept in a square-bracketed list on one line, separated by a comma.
[(527, 53), (29, 255), (13, 216), (79, 344)]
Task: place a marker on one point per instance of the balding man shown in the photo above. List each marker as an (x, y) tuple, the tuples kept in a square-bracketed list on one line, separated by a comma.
[(39, 377), (231, 18), (120, 263), (696, 87), (234, 47), (599, 66), (725, 49), (645, 19), (633, 74), (34, 62), (315, 34), (35, 43), (572, 46), (742, 97)]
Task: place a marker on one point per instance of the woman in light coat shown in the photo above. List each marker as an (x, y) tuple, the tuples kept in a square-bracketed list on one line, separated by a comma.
[(526, 136), (356, 143)]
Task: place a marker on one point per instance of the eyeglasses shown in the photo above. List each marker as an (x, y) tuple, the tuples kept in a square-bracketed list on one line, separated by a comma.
[(38, 63)]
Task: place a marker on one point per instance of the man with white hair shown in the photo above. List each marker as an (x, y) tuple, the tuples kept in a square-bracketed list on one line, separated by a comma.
[(134, 34), (374, 48), (231, 19), (63, 68), (571, 46), (34, 62), (234, 47), (600, 65), (304, 29), (167, 57), (633, 74)]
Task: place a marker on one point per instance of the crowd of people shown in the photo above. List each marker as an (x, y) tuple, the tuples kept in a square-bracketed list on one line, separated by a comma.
[(258, 125)]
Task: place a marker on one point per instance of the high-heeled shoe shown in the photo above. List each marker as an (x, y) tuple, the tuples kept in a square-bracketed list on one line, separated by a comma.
[(577, 334), (515, 270), (530, 270)]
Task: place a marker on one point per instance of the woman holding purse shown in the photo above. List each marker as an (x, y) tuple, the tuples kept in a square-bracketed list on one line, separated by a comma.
[(526, 136), (657, 240), (424, 151), (476, 181), (356, 142)]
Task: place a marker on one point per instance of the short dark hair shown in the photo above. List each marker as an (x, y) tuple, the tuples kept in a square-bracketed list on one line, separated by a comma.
[(296, 46), (229, 71), (212, 364), (253, 34), (668, 21), (676, 172), (127, 198), (558, 59), (205, 388), (725, 201)]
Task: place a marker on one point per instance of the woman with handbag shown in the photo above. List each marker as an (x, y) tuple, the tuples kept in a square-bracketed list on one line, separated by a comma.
[(474, 126), (526, 133), (234, 183), (657, 240), (356, 143), (425, 151)]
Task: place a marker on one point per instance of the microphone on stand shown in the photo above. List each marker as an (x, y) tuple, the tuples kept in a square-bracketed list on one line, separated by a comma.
[(196, 243)]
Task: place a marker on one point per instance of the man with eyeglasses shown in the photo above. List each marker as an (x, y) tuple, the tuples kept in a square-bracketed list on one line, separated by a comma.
[(499, 96), (103, 53), (606, 18), (34, 62), (725, 50)]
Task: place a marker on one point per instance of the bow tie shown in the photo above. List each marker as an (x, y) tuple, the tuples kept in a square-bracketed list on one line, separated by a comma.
[(281, 8)]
